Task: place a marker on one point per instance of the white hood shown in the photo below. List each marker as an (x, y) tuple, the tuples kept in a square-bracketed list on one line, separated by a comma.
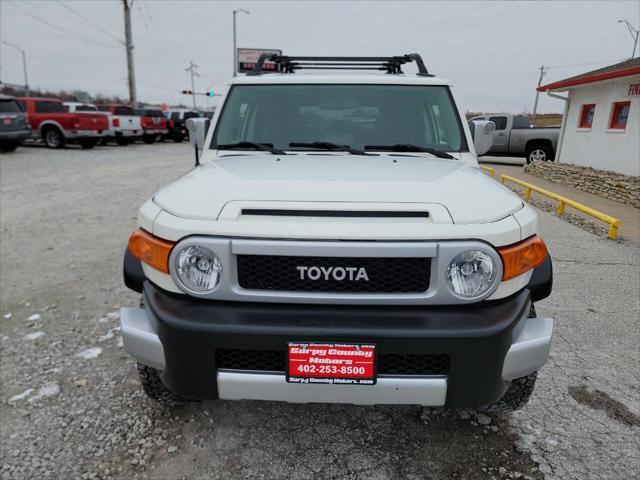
[(467, 193)]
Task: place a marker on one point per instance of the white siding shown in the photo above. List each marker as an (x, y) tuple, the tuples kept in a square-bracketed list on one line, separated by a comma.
[(601, 148)]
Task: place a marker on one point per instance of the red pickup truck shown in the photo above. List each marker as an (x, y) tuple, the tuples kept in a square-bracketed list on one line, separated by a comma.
[(51, 122), (154, 125)]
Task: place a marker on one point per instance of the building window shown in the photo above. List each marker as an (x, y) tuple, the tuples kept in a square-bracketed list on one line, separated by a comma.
[(586, 115), (619, 115)]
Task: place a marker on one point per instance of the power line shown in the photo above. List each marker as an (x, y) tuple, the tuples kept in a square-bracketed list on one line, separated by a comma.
[(36, 17), (581, 64), (97, 27), (156, 43), (154, 46)]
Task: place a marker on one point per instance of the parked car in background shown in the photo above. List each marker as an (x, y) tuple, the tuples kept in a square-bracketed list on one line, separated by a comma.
[(14, 125), (154, 124), (209, 114), (90, 107), (52, 123), (126, 125), (515, 137), (177, 126)]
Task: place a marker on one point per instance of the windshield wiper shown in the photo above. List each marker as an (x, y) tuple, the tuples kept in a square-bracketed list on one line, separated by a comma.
[(263, 147), (330, 146), (408, 147)]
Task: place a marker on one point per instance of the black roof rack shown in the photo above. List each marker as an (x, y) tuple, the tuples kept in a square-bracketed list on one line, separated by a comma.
[(391, 65)]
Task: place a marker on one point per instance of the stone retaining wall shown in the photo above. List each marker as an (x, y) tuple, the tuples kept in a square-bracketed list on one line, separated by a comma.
[(611, 185)]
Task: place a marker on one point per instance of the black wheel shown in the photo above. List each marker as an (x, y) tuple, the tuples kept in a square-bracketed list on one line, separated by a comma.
[(149, 139), (53, 137), (539, 153), (516, 396), (178, 139), (9, 146), (153, 386), (87, 143), (122, 141), (519, 391), (155, 389)]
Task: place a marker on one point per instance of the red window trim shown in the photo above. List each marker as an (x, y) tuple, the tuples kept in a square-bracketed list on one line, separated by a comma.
[(615, 108), (582, 121)]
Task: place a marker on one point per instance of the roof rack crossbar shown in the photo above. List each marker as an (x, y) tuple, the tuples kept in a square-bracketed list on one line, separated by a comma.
[(391, 65)]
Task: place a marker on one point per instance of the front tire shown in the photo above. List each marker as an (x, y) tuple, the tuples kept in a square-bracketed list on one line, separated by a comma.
[(155, 389), (516, 396), (53, 137), (539, 153), (519, 391), (152, 384), (149, 139)]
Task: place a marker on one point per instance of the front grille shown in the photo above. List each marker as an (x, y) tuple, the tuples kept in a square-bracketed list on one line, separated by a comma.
[(263, 360), (388, 363), (412, 364), (385, 275), (335, 213)]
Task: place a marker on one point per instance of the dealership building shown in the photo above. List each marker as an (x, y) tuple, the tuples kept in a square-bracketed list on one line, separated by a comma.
[(601, 122)]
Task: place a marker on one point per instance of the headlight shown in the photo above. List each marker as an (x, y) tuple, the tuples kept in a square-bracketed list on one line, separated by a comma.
[(471, 274), (198, 268)]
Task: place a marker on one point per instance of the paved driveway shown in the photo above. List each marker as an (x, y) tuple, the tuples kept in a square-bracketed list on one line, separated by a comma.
[(71, 406)]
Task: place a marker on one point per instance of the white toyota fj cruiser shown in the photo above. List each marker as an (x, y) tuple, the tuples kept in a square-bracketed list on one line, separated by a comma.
[(338, 243)]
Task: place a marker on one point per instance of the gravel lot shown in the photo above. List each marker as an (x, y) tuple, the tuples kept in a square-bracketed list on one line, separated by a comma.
[(71, 406)]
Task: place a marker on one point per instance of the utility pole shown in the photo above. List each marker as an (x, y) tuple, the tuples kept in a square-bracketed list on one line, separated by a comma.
[(24, 65), (235, 51), (635, 33), (128, 43), (191, 69), (535, 104)]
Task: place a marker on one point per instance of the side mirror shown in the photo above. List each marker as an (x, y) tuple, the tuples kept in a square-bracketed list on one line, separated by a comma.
[(482, 134), (198, 128)]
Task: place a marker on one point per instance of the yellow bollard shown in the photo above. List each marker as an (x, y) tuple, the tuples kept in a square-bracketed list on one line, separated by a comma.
[(613, 230), (564, 201)]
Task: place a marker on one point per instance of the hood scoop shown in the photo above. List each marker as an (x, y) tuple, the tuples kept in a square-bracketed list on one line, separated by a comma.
[(335, 213)]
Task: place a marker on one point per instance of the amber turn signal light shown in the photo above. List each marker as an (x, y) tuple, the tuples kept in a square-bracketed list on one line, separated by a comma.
[(522, 257), (151, 250)]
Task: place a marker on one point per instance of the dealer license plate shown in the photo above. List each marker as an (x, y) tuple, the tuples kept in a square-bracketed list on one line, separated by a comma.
[(331, 363)]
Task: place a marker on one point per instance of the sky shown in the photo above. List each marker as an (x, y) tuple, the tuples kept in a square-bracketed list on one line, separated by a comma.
[(491, 51)]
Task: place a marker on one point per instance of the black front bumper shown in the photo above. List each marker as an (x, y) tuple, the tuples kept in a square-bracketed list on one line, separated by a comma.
[(474, 337)]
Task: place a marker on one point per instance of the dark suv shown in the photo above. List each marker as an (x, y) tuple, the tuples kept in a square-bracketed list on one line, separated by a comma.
[(176, 123), (14, 125)]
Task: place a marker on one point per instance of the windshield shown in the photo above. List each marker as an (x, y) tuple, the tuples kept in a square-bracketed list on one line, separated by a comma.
[(353, 115), (9, 106), (122, 110), (86, 108), (45, 106)]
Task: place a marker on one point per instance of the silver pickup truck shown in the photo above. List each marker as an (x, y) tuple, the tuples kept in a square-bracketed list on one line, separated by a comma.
[(515, 137)]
